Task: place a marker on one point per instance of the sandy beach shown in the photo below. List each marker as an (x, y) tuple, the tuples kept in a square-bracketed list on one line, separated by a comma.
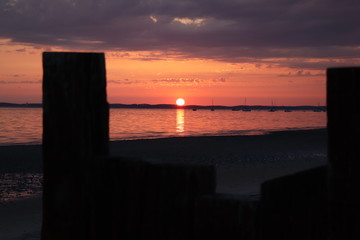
[(242, 164)]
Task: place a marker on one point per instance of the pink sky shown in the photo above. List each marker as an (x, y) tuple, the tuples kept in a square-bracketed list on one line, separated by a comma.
[(132, 78)]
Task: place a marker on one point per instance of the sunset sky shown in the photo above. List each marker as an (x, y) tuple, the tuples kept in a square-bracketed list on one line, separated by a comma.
[(199, 50)]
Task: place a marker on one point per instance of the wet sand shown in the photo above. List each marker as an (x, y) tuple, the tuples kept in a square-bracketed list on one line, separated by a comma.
[(242, 162)]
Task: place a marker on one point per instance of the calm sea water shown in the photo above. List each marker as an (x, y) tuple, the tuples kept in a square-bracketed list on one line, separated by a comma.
[(24, 125)]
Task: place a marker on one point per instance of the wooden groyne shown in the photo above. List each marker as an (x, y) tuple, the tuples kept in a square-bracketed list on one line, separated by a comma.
[(91, 195), (343, 91), (75, 129)]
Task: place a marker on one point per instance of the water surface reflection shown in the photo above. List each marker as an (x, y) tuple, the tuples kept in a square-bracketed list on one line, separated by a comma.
[(180, 120)]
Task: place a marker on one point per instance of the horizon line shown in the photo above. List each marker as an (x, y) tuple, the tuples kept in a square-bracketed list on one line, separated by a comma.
[(176, 106)]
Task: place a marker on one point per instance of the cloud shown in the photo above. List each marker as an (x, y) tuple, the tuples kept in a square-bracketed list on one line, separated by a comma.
[(177, 80), (18, 75), (153, 18), (219, 80), (21, 50), (21, 82), (228, 30), (301, 73), (124, 81), (187, 21)]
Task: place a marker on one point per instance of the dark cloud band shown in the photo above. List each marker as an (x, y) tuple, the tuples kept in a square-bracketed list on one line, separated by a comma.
[(228, 30)]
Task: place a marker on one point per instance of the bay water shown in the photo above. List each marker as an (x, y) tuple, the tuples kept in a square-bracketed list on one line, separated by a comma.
[(24, 125)]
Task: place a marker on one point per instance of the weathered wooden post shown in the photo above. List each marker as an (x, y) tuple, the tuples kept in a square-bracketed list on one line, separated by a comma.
[(225, 216), (343, 103), (171, 192), (75, 128), (294, 206)]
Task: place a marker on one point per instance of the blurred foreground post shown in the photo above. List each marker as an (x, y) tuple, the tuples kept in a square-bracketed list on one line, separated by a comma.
[(343, 103), (75, 129)]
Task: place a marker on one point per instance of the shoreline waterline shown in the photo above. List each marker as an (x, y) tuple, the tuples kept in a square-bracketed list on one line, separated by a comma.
[(242, 162), (228, 134)]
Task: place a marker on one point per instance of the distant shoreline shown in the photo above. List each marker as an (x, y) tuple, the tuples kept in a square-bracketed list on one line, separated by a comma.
[(173, 106)]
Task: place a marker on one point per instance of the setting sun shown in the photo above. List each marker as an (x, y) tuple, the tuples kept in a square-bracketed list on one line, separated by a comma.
[(180, 102)]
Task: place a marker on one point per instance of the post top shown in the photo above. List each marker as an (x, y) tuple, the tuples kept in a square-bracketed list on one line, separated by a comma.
[(72, 53), (344, 68)]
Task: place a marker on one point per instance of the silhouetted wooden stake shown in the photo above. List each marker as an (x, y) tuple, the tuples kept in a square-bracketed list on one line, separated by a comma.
[(75, 128), (225, 216), (294, 206), (343, 103)]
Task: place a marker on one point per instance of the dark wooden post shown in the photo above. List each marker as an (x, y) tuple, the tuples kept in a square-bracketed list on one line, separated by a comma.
[(343, 103), (225, 216), (75, 128), (294, 206)]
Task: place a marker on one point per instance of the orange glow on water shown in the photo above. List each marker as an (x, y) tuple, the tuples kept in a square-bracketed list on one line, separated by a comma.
[(24, 125)]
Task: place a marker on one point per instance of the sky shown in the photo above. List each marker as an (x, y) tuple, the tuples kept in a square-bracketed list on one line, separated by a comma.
[(226, 51)]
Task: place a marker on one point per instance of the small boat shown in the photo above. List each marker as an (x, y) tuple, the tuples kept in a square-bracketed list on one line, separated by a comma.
[(194, 109), (287, 110)]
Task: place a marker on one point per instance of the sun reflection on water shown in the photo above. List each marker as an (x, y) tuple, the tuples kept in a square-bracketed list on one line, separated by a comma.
[(180, 120)]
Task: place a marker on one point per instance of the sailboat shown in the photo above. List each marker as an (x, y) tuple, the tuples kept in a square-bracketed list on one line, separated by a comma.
[(318, 108), (272, 109), (212, 105), (246, 108)]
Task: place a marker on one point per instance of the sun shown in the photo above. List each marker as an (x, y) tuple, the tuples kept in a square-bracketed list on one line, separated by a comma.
[(180, 102)]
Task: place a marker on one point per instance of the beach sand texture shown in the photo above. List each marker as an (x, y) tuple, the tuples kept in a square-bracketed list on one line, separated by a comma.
[(242, 164)]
